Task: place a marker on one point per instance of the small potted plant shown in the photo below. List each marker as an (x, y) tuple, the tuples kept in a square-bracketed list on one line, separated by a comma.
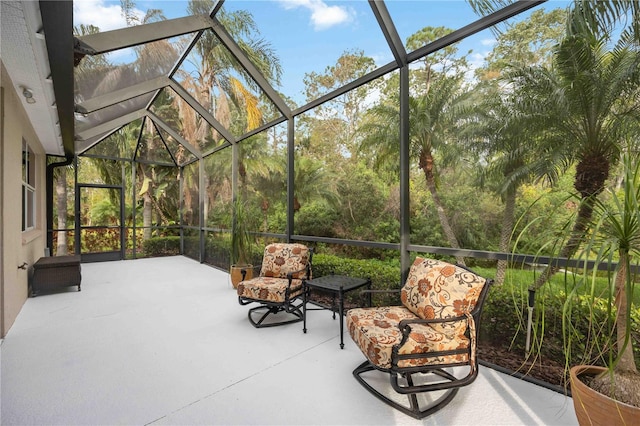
[(608, 393), (242, 243)]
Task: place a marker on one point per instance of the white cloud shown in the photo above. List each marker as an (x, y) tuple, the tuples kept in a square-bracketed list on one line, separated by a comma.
[(488, 41), (477, 59), (323, 16), (100, 13)]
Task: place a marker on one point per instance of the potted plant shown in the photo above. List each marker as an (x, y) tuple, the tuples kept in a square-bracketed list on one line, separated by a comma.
[(608, 393), (242, 242)]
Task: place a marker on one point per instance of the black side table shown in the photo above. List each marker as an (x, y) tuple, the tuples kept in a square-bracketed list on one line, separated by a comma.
[(337, 285)]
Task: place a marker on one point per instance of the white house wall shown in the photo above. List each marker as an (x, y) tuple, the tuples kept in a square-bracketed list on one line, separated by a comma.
[(17, 247)]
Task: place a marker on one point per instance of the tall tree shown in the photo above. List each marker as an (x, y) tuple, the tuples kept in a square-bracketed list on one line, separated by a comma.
[(530, 42), (433, 119), (215, 83), (334, 123), (584, 106), (436, 105), (446, 61), (500, 131), (312, 182)]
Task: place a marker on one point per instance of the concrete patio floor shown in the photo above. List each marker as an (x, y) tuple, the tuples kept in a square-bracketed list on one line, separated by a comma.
[(164, 341)]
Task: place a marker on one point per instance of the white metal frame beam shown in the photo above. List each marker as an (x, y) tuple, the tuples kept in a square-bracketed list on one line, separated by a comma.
[(107, 41)]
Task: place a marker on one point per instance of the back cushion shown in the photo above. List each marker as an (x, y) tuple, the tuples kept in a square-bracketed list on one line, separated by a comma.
[(281, 258), (436, 289)]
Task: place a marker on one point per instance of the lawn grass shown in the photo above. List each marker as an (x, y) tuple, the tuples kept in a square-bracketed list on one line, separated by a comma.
[(519, 281)]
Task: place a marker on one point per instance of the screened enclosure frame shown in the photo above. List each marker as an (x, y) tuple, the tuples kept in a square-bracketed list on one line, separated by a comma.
[(67, 51)]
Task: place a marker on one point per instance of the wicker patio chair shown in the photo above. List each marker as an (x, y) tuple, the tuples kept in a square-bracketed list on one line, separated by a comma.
[(428, 345), (278, 288)]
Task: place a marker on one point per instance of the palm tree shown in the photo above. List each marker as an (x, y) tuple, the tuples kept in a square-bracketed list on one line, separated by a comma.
[(269, 180), (602, 15), (432, 121), (312, 182), (213, 82), (583, 107), (500, 133), (508, 151)]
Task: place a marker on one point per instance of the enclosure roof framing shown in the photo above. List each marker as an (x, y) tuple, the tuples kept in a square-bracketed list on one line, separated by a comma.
[(475, 27), (159, 122), (389, 30), (118, 96), (108, 41), (246, 63), (202, 111), (125, 100), (90, 132)]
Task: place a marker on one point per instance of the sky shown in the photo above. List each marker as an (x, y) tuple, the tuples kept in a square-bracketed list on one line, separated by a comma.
[(310, 35)]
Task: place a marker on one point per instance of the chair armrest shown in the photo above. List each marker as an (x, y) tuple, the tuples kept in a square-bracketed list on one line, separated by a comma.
[(291, 274), (407, 322), (290, 279), (243, 271), (405, 328)]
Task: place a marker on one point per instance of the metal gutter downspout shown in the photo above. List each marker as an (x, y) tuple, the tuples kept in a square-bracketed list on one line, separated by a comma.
[(50, 169), (57, 23)]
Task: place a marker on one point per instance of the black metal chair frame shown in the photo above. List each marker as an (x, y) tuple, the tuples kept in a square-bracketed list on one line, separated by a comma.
[(274, 308), (449, 382)]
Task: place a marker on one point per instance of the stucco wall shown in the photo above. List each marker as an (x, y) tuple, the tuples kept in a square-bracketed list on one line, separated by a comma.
[(17, 247)]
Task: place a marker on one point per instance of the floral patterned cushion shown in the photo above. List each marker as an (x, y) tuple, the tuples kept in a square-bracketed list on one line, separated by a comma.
[(375, 331), (280, 258), (436, 289), (433, 290), (269, 289)]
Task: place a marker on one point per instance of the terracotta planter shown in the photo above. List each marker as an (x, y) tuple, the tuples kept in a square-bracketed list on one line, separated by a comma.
[(236, 274), (594, 408)]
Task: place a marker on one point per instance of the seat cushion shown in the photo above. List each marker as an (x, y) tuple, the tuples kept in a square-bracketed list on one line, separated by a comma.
[(269, 289), (437, 290), (375, 331), (280, 258)]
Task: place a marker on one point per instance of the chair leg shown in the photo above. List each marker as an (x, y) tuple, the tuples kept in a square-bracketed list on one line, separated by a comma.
[(274, 310), (413, 409)]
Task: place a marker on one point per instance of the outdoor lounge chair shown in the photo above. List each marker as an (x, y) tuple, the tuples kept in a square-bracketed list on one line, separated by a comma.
[(428, 345), (278, 288)]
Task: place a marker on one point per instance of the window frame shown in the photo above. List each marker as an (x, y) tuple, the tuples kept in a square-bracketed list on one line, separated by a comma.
[(29, 198)]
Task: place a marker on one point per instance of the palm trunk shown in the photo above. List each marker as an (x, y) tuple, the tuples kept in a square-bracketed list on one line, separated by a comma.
[(427, 160), (61, 204), (591, 174), (505, 234), (265, 209), (146, 216), (571, 247), (625, 348)]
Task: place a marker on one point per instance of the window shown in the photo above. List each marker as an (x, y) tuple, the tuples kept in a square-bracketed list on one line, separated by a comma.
[(28, 187)]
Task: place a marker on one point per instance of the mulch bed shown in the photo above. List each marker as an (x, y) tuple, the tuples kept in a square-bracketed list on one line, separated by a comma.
[(544, 370)]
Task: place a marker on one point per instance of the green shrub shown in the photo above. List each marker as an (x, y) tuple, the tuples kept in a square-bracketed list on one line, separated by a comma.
[(161, 246), (218, 250), (501, 319), (382, 275), (505, 315)]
